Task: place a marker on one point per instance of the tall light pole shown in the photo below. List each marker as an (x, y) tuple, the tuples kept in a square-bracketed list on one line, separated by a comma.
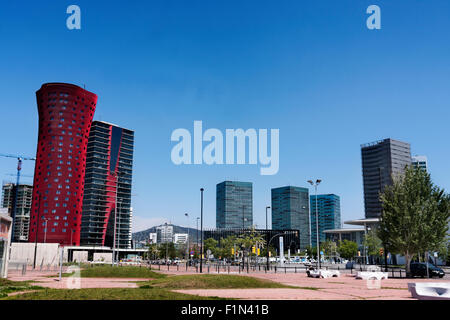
[(167, 242), (201, 229), (37, 229), (315, 184), (267, 239), (188, 249), (115, 219)]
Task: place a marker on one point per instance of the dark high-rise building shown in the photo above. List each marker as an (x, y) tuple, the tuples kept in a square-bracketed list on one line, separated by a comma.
[(234, 204), (328, 210), (290, 211), (381, 160), (21, 223), (109, 165), (65, 118)]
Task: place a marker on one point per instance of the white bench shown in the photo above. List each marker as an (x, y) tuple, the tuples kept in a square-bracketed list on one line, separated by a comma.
[(430, 290), (322, 273), (371, 275)]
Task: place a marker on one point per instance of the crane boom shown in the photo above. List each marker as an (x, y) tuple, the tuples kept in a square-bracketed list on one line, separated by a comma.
[(19, 167)]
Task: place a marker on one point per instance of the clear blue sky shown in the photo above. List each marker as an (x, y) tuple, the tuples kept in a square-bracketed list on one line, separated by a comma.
[(309, 68)]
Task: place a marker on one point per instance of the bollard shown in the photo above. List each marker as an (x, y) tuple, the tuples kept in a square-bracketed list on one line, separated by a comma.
[(295, 269), (177, 267)]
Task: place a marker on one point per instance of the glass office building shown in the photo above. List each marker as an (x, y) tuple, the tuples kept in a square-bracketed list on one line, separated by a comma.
[(329, 214), (234, 204), (381, 160), (290, 210), (109, 165)]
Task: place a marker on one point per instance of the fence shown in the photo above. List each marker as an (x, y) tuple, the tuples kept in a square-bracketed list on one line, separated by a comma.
[(393, 272)]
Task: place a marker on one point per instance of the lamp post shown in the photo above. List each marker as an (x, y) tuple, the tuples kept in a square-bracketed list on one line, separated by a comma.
[(165, 240), (115, 219), (188, 249), (37, 228), (267, 238), (201, 229), (315, 184)]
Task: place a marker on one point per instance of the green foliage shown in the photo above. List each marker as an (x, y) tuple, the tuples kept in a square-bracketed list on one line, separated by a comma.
[(329, 248), (415, 215), (347, 249), (210, 244), (372, 242)]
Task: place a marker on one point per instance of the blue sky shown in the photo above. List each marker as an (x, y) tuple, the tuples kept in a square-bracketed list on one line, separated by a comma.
[(309, 68)]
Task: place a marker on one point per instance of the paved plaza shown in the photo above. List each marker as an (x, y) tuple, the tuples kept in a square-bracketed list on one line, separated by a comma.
[(345, 287)]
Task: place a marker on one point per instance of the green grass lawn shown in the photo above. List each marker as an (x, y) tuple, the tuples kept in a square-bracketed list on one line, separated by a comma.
[(210, 281), (8, 286), (107, 271), (158, 288), (107, 294)]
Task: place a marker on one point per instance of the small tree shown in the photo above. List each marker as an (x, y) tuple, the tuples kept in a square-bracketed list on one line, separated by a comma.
[(372, 242), (210, 244), (347, 249), (415, 215)]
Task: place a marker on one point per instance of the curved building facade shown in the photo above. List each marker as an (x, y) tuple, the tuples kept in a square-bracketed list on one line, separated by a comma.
[(65, 118)]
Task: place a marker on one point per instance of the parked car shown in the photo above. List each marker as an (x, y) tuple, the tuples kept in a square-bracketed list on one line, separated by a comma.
[(419, 269)]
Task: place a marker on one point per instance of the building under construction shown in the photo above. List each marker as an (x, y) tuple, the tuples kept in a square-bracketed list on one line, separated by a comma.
[(21, 223)]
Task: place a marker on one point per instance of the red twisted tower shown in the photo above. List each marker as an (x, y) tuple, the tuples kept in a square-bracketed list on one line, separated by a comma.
[(65, 118)]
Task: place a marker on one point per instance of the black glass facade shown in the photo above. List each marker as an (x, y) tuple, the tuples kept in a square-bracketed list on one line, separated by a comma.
[(108, 180)]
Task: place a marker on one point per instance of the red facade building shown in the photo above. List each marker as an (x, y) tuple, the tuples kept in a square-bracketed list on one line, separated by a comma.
[(65, 117)]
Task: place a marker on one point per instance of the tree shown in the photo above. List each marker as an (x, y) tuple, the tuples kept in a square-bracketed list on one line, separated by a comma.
[(329, 248), (372, 242), (226, 246), (347, 249), (248, 240), (153, 251), (210, 244), (415, 215)]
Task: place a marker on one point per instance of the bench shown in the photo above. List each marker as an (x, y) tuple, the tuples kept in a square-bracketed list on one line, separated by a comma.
[(430, 290)]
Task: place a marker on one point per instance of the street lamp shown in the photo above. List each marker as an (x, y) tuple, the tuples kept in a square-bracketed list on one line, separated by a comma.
[(167, 242), (115, 217), (188, 249), (37, 228), (201, 229), (267, 237), (315, 184)]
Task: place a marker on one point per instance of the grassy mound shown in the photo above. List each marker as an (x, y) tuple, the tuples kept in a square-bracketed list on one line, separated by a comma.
[(107, 271), (107, 294), (210, 281)]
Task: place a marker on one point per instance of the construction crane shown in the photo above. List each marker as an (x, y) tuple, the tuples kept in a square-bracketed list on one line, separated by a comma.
[(19, 168)]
